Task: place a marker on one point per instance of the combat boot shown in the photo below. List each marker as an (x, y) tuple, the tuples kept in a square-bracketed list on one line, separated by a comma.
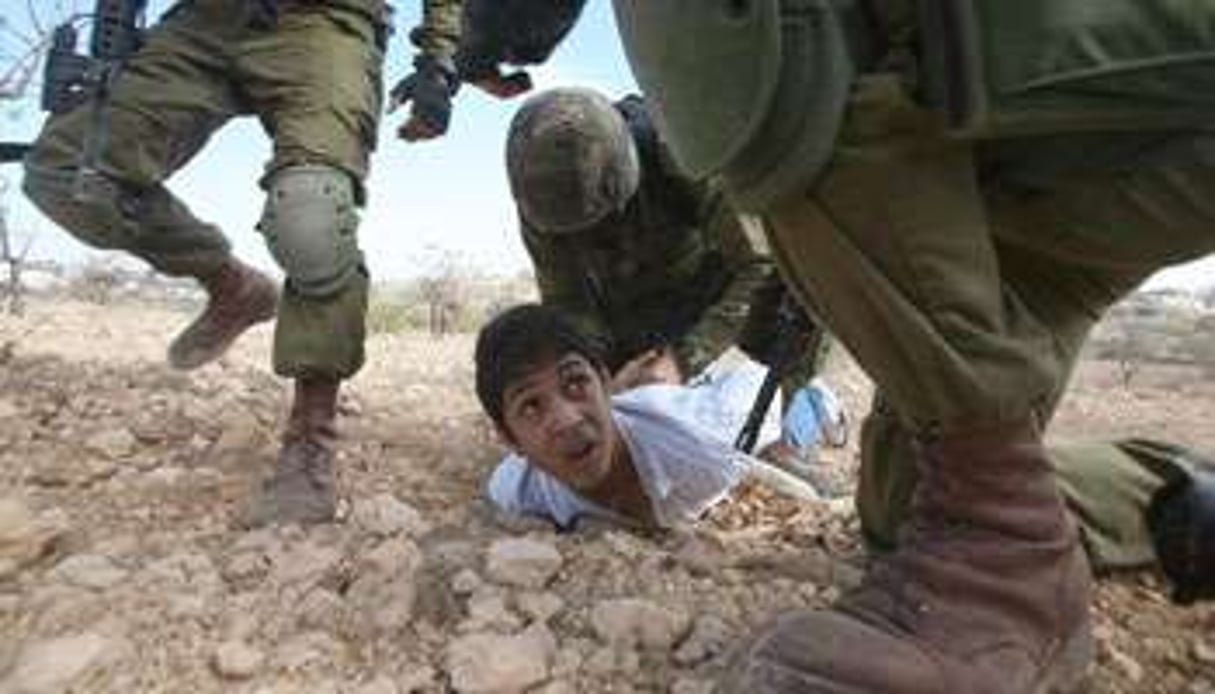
[(238, 297), (988, 591), (302, 488)]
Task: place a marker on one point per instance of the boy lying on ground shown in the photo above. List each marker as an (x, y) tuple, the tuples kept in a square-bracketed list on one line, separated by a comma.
[(659, 455)]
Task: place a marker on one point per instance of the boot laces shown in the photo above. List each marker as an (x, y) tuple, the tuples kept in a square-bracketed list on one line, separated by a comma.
[(306, 458)]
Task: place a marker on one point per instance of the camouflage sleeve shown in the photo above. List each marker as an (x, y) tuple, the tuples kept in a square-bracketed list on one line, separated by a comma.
[(719, 325), (439, 34), (563, 283)]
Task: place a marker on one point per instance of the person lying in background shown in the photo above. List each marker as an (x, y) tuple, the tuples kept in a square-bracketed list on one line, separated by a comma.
[(660, 455)]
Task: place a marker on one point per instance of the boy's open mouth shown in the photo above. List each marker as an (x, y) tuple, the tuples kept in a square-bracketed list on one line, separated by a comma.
[(577, 447)]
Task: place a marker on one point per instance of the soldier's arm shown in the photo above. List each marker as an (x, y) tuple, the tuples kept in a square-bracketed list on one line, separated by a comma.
[(740, 241), (563, 284), (496, 33), (438, 36), (433, 83)]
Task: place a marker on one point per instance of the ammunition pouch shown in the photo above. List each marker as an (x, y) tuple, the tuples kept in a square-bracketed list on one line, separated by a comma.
[(757, 97), (999, 68)]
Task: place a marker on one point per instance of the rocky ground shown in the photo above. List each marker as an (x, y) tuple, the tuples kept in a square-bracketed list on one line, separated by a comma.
[(122, 569)]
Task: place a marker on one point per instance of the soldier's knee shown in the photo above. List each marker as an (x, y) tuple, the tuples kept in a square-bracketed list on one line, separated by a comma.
[(309, 222), (101, 217)]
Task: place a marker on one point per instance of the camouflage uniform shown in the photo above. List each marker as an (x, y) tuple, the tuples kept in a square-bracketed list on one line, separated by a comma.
[(313, 80), (677, 266)]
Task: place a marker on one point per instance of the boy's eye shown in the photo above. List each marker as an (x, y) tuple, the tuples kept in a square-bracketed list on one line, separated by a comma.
[(577, 383), (528, 408)]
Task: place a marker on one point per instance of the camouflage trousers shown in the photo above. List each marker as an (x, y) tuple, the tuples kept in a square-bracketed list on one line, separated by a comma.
[(965, 276), (314, 83), (1107, 485)]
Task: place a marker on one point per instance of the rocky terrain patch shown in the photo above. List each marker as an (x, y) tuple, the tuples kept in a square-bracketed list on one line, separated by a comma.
[(123, 567)]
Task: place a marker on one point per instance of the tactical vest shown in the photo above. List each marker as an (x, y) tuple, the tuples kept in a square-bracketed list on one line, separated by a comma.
[(755, 91)]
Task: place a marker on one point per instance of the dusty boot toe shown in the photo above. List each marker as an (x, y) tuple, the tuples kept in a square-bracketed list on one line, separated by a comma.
[(987, 592), (301, 490), (238, 298), (828, 653)]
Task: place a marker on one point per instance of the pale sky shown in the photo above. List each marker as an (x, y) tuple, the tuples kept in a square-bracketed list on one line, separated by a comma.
[(446, 195)]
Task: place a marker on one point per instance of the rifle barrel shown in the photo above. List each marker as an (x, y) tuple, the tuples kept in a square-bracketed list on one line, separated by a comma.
[(12, 151)]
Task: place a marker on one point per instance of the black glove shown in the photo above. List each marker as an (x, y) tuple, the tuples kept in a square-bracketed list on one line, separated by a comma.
[(1181, 518), (478, 66), (777, 329), (430, 87), (499, 84)]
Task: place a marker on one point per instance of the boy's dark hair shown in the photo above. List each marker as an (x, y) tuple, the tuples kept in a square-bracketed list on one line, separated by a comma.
[(521, 339)]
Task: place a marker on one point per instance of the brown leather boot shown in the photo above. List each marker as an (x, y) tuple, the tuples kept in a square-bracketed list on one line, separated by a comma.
[(988, 591), (302, 489), (238, 297)]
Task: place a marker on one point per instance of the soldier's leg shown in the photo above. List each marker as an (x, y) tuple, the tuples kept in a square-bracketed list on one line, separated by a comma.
[(1142, 502), (1066, 281), (988, 589), (315, 78), (1107, 490), (1117, 208), (166, 102)]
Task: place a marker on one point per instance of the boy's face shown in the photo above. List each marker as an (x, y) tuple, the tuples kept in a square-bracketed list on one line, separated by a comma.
[(559, 417)]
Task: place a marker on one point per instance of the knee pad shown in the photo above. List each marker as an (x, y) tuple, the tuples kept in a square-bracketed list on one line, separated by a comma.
[(1181, 518), (104, 216), (309, 222)]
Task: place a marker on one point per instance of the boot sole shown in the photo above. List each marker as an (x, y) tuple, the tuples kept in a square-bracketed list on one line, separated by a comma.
[(192, 359)]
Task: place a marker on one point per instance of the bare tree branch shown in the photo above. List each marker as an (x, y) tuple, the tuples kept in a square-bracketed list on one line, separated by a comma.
[(33, 15), (18, 67)]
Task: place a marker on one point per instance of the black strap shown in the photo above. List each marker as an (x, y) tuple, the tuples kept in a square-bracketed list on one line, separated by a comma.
[(13, 151), (262, 14)]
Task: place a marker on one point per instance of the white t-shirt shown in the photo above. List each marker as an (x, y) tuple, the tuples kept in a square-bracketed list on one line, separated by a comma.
[(681, 442)]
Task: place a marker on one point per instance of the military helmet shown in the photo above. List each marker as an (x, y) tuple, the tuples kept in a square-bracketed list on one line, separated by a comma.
[(571, 160)]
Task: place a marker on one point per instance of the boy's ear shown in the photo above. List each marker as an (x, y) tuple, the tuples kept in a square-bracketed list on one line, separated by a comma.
[(504, 436)]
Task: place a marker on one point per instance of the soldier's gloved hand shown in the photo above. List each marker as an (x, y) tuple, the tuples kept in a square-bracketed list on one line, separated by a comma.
[(482, 71), (503, 86), (430, 88)]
